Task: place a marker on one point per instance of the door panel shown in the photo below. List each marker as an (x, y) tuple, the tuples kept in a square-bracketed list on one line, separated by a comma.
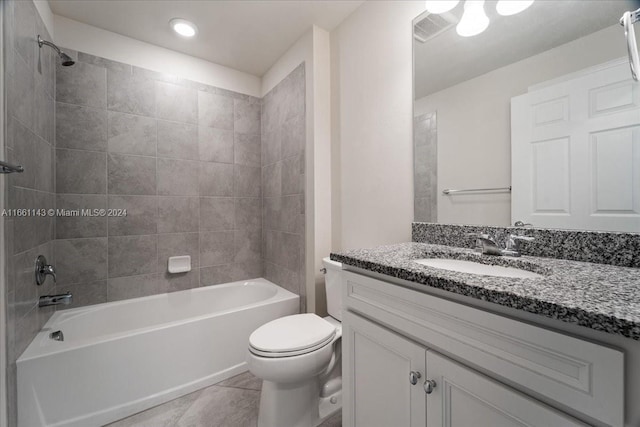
[(376, 367), (463, 397)]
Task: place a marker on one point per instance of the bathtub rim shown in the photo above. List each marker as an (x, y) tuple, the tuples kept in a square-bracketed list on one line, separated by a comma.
[(35, 350)]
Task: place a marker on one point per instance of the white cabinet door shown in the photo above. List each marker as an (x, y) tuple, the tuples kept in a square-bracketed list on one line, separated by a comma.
[(575, 149), (377, 388), (463, 398)]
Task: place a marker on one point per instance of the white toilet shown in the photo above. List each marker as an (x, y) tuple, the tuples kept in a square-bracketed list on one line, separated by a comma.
[(299, 360)]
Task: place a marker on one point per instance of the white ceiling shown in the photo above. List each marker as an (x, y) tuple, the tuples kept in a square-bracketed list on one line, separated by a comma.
[(448, 59), (247, 35)]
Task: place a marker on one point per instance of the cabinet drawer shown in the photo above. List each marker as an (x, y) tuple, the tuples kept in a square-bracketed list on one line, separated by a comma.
[(581, 375)]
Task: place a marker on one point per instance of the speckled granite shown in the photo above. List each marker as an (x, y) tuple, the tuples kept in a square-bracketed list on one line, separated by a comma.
[(621, 249), (598, 296)]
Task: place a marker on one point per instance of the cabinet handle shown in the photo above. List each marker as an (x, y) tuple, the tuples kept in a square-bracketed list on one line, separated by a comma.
[(429, 385), (414, 376)]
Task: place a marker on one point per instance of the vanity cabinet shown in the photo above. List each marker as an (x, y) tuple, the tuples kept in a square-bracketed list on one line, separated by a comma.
[(414, 359), (396, 382)]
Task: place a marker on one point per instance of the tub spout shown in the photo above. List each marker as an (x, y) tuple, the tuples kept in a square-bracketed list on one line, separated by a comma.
[(47, 300)]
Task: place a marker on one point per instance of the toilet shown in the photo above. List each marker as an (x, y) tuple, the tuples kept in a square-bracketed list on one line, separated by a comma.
[(298, 358)]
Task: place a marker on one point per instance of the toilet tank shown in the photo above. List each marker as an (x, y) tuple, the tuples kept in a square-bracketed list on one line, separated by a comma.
[(333, 287)]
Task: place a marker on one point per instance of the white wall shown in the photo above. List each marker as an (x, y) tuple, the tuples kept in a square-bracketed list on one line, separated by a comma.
[(44, 10), (371, 78), (86, 38), (474, 125)]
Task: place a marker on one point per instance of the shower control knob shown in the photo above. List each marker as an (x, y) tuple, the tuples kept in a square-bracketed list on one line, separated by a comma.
[(414, 376), (429, 385)]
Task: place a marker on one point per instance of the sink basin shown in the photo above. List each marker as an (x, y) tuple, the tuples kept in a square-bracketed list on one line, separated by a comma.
[(477, 268)]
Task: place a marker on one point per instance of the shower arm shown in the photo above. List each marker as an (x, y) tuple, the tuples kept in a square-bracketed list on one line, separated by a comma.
[(627, 21), (41, 42)]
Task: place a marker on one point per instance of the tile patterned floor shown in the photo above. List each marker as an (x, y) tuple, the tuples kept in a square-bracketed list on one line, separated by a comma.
[(230, 403)]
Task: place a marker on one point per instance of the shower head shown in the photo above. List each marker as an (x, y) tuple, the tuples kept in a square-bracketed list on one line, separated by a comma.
[(66, 59)]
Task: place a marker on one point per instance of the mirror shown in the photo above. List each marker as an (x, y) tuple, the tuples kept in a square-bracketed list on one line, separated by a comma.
[(518, 88)]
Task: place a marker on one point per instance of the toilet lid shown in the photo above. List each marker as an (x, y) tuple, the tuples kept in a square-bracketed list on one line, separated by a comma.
[(292, 334)]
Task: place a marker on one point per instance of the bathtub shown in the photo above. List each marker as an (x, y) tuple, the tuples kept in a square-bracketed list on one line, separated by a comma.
[(122, 357)]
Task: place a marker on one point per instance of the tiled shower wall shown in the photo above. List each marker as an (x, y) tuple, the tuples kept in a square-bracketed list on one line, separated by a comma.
[(283, 162), (29, 91), (425, 168), (182, 158)]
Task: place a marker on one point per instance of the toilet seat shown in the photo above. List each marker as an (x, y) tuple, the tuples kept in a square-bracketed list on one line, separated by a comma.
[(291, 336)]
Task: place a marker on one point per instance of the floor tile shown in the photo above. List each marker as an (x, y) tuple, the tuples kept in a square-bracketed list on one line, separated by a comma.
[(245, 380), (221, 407)]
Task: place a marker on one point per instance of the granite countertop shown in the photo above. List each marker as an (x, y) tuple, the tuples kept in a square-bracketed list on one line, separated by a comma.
[(598, 296)]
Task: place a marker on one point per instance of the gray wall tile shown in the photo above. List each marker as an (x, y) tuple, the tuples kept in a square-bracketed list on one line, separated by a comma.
[(132, 287), (177, 140), (168, 282), (82, 84), (248, 245), (105, 63), (23, 145), (170, 245), (248, 214), (216, 275), (246, 116), (177, 177), (80, 172), (79, 127), (247, 181), (216, 179), (293, 136), (130, 94), (272, 180), (293, 175), (141, 215), (215, 110), (81, 260), (20, 93), (68, 227), (130, 134), (216, 213), (178, 214), (132, 175), (44, 177), (132, 255), (216, 248), (215, 145), (176, 103), (44, 116), (247, 149), (25, 31)]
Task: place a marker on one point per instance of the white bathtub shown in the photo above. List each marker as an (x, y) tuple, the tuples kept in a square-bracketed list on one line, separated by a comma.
[(123, 357)]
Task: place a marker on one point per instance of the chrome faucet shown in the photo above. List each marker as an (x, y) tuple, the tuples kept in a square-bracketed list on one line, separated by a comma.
[(486, 245), (47, 300), (513, 245)]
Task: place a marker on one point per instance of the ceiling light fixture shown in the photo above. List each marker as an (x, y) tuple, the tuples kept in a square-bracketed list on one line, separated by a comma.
[(512, 7), (183, 27), (474, 20), (440, 6)]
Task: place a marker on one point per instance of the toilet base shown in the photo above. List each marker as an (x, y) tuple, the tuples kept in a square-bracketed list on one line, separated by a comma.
[(296, 405)]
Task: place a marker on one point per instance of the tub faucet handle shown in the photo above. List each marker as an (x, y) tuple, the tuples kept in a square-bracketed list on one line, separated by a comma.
[(43, 270)]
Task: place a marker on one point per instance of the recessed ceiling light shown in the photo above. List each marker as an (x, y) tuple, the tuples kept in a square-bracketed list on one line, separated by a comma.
[(183, 27), (512, 7)]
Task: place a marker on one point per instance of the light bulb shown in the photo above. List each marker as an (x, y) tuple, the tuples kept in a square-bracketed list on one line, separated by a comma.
[(183, 27), (511, 7), (474, 20), (440, 6)]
